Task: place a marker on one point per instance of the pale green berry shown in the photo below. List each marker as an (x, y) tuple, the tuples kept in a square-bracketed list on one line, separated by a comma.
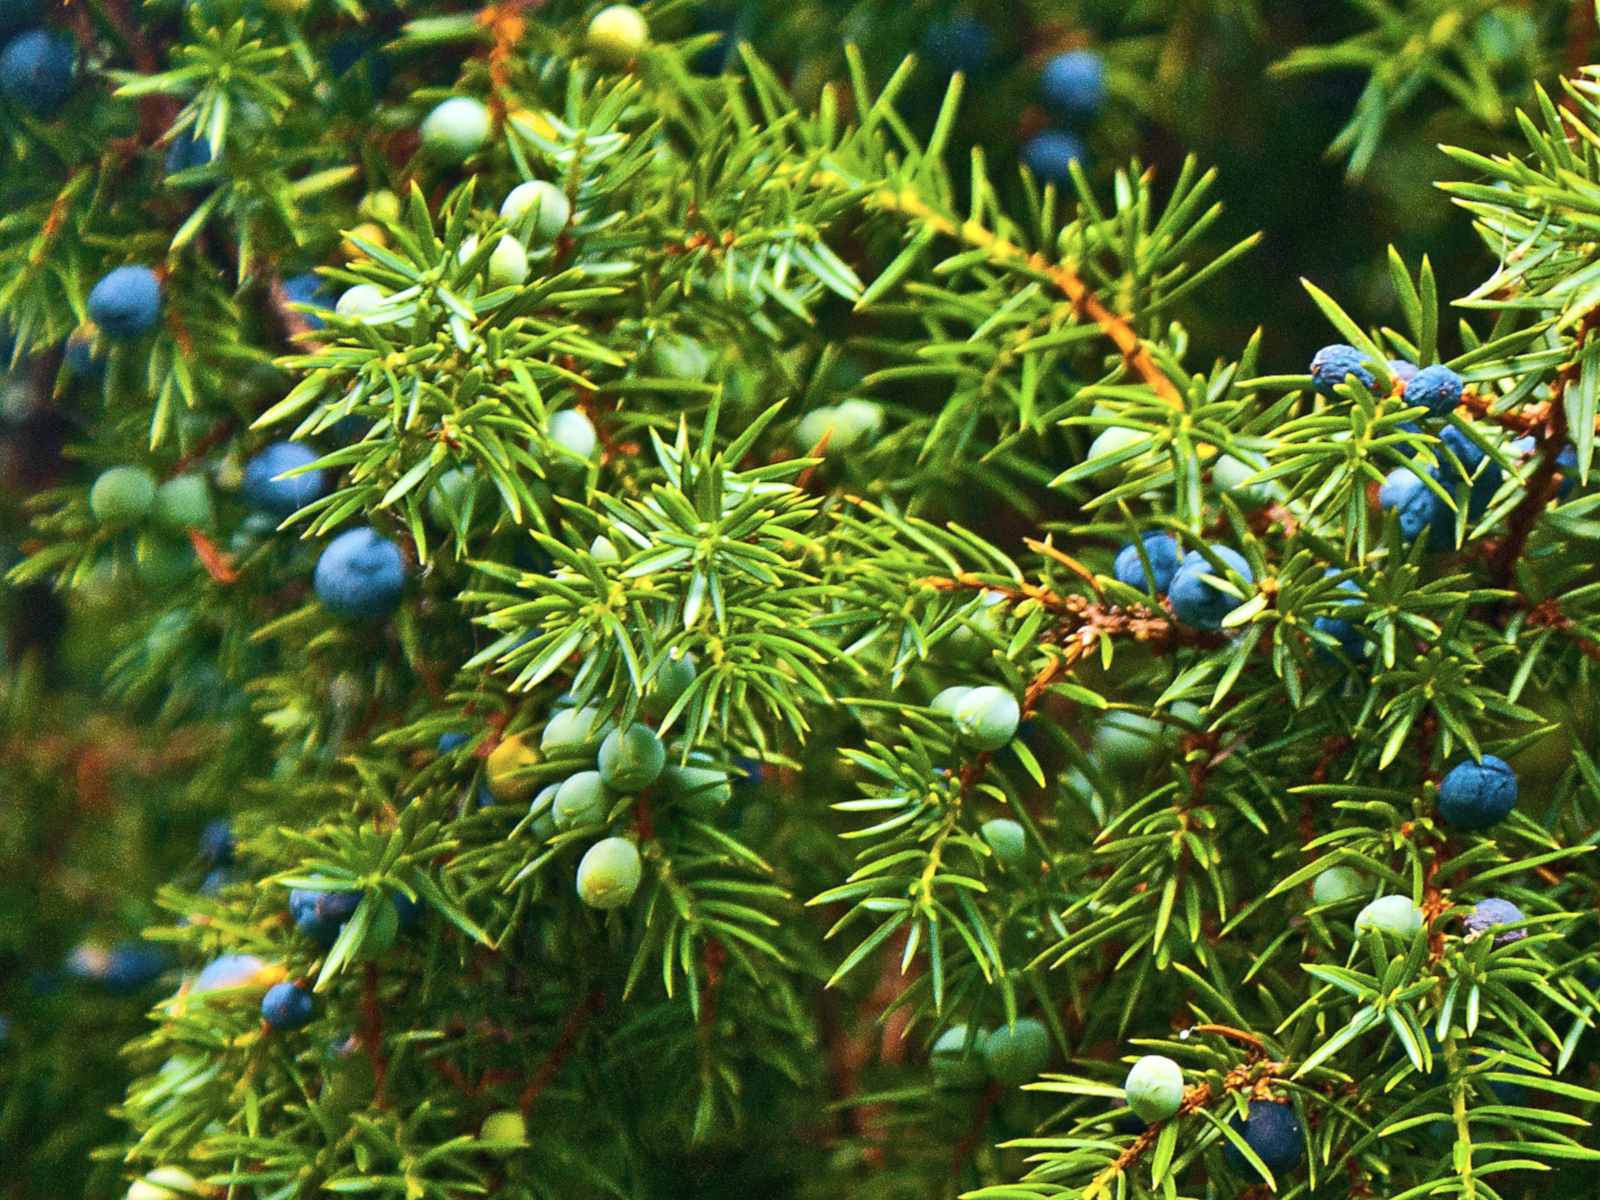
[(122, 496), (1154, 1088), (549, 205), (1391, 914), (946, 702), (450, 492), (456, 129), (609, 873), (1111, 440), (617, 34), (678, 357), (1228, 475), (571, 729), (581, 800), (955, 1062), (1337, 884), (359, 301), (508, 264), (631, 759), (165, 1183), (574, 433), (988, 717)]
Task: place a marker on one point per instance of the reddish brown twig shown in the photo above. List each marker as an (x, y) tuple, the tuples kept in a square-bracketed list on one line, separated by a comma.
[(372, 1035), (565, 1041)]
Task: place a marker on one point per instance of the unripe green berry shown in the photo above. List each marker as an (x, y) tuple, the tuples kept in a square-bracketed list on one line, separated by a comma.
[(508, 1126), (617, 34), (946, 702), (1007, 839), (1111, 440), (122, 496), (674, 677), (456, 129), (450, 492), (1128, 743), (988, 717), (184, 503), (505, 771), (382, 206), (581, 800), (1228, 475), (703, 791), (1015, 1054), (631, 759), (1154, 1088), (609, 873)]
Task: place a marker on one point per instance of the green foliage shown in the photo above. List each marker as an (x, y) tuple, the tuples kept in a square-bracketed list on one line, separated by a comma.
[(621, 927)]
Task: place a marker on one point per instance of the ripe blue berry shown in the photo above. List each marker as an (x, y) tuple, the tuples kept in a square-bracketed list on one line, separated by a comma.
[(1491, 914), (36, 70), (16, 13), (265, 490), (1161, 549), (1566, 460), (1476, 795), (1420, 510), (126, 302), (1050, 155), (609, 873), (216, 843), (1346, 633), (1197, 601), (81, 355), (1273, 1132), (188, 152), (450, 742), (1391, 914), (1007, 839), (1015, 1054), (1154, 1087), (1074, 84), (360, 575), (231, 972), (1436, 388), (286, 1007), (1403, 371), (631, 759), (307, 288), (320, 915), (960, 44), (1463, 461), (1332, 365), (988, 717)]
